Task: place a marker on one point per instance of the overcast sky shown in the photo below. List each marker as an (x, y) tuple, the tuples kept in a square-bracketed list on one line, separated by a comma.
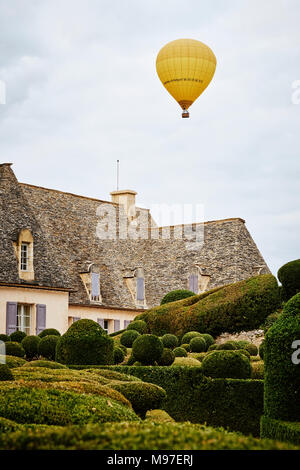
[(82, 92)]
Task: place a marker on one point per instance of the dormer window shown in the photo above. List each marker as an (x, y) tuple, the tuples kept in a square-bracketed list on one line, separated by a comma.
[(24, 261), (90, 277), (95, 287), (24, 254)]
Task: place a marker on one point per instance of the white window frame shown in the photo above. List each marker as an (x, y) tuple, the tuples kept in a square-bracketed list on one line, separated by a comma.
[(24, 257), (23, 312)]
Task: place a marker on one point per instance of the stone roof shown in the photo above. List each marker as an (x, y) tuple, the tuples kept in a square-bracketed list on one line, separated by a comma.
[(64, 226)]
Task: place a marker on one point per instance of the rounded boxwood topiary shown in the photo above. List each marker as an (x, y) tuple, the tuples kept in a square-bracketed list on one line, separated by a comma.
[(228, 346), (281, 358), (180, 352), (289, 276), (187, 347), (45, 364), (175, 295), (147, 349), (169, 341), (198, 344), (85, 343), (47, 346), (48, 332), (261, 349), (17, 336), (4, 338), (14, 348), (208, 339), (128, 337), (119, 355), (131, 360), (5, 373), (188, 336), (167, 358), (245, 352), (31, 345), (241, 343), (213, 347), (226, 364), (13, 361), (252, 349), (138, 325)]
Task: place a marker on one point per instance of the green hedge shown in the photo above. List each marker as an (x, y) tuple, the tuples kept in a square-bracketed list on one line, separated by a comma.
[(233, 308), (175, 295), (138, 436), (282, 375), (289, 276), (285, 431), (231, 403)]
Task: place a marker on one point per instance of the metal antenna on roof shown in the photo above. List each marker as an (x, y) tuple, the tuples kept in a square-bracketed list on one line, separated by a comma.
[(118, 173)]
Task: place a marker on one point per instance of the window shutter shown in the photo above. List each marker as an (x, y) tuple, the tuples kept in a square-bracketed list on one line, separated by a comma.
[(40, 318), (75, 319), (95, 285), (11, 317), (193, 283), (140, 288), (117, 325), (100, 322), (126, 323)]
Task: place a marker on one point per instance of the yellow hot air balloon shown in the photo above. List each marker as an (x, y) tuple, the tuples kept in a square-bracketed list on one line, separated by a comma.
[(185, 68)]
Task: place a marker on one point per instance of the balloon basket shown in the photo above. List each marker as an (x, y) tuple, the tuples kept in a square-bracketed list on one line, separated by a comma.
[(185, 114)]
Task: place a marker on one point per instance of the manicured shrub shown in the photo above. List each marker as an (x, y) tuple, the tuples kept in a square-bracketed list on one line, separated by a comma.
[(13, 361), (175, 295), (131, 360), (30, 345), (17, 336), (235, 404), (47, 346), (187, 347), (208, 339), (241, 344), (119, 355), (186, 361), (261, 349), (169, 341), (200, 356), (128, 338), (55, 407), (198, 344), (180, 352), (188, 336), (121, 346), (143, 396), (226, 364), (289, 276), (5, 373), (147, 349), (252, 349), (138, 325), (242, 306), (4, 338), (282, 377), (227, 346), (14, 348), (49, 331), (213, 347), (85, 342), (245, 352), (257, 370), (281, 431), (167, 357), (45, 364)]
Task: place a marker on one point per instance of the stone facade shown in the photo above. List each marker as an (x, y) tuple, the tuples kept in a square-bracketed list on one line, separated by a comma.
[(65, 230)]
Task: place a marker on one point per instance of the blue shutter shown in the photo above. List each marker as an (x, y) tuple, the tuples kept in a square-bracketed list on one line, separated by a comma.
[(140, 288), (40, 318), (11, 317), (100, 322), (95, 285), (117, 325)]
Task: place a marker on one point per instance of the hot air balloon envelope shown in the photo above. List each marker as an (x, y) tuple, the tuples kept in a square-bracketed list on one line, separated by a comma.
[(185, 68)]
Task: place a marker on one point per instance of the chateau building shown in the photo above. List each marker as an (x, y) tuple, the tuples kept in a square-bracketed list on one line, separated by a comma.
[(64, 257)]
